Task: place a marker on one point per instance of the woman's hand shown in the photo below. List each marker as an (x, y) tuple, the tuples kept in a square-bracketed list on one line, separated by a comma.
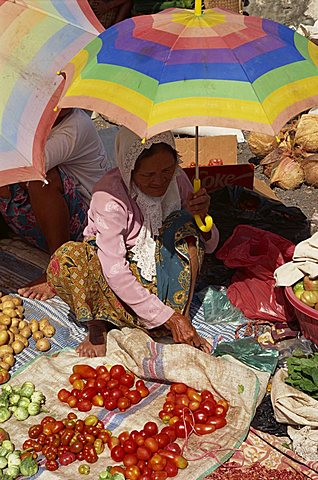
[(183, 332), (198, 203)]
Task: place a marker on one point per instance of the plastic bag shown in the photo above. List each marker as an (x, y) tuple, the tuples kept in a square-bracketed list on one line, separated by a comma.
[(218, 308), (255, 254), (248, 351)]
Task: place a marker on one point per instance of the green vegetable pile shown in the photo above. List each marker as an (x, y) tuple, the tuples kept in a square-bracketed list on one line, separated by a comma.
[(303, 374), (21, 401), (11, 464), (106, 475)]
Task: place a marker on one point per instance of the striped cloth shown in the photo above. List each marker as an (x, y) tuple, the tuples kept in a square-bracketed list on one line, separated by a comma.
[(15, 272)]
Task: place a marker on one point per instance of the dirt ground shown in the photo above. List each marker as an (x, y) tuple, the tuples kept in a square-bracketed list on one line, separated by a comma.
[(305, 197)]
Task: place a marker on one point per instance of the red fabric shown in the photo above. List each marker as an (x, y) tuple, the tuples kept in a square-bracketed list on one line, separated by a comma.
[(255, 254)]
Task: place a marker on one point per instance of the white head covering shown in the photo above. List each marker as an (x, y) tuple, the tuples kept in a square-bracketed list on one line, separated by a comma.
[(154, 210)]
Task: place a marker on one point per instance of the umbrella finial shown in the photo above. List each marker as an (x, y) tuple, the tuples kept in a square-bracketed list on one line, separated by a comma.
[(198, 7)]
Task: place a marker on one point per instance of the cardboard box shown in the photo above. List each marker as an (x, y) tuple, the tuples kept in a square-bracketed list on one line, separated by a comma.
[(223, 147)]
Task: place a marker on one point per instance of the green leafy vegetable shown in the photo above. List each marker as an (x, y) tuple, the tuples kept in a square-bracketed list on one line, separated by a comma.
[(303, 374)]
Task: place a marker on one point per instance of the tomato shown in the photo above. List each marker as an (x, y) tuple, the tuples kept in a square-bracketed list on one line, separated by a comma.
[(143, 453), (72, 401), (101, 370), (174, 447), (157, 462), (165, 417), (182, 400), (171, 397), (178, 388), (174, 419), (71, 416), (100, 383), (76, 447), (140, 439), (178, 410), (62, 449), (142, 464), (124, 390), (181, 462), (193, 395), (63, 395), (112, 383), (140, 384), (117, 453), (84, 405), (35, 431), (79, 384), (112, 442), (224, 403), (159, 475), (163, 439), (132, 472), (84, 469), (123, 403), (58, 427), (90, 383), (193, 406), (47, 419), (73, 377), (150, 429), (182, 428), (207, 395), (51, 465), (66, 437), (115, 393), (171, 469), (88, 393), (90, 454), (152, 444), (220, 411), (134, 396), (171, 432), (130, 446), (85, 371), (41, 439), (218, 422), (130, 459), (208, 406), (168, 406), (89, 438), (67, 458), (117, 469), (75, 393), (98, 401), (144, 392), (80, 456), (104, 435), (117, 371), (99, 446), (47, 428), (204, 428), (123, 436), (36, 446), (127, 380), (200, 417)]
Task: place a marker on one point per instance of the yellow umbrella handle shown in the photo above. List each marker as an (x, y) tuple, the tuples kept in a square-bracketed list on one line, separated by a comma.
[(208, 220)]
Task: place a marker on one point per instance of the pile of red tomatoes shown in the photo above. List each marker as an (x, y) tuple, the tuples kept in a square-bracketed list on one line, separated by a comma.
[(189, 410), (64, 441), (102, 387)]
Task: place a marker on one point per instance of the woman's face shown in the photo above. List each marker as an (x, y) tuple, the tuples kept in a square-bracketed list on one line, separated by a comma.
[(154, 172)]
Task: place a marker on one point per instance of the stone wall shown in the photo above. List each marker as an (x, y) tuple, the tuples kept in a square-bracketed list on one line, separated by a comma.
[(288, 12)]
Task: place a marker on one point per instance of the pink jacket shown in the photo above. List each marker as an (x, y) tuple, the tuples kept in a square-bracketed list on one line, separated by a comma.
[(115, 219)]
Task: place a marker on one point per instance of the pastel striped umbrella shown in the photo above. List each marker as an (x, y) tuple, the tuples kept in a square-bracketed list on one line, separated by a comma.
[(36, 38), (184, 67)]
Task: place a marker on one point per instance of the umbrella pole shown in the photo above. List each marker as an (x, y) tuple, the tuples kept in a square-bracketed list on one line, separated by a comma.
[(196, 187)]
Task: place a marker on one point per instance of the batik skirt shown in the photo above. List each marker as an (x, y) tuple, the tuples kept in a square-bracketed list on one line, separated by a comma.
[(76, 275)]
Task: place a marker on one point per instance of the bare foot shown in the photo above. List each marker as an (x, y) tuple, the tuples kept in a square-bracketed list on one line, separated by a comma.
[(94, 344), (39, 289), (88, 349)]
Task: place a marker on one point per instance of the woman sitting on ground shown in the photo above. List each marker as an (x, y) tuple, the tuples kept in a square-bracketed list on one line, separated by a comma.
[(142, 251)]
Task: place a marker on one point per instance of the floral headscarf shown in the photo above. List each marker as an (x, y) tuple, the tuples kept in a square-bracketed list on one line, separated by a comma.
[(155, 210)]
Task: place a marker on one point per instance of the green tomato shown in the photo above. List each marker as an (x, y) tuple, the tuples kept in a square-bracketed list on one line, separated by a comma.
[(84, 469), (24, 402), (7, 445), (27, 389), (14, 399), (3, 462), (34, 408), (21, 413)]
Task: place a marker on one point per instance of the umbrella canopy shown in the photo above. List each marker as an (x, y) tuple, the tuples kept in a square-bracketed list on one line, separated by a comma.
[(36, 38), (180, 68)]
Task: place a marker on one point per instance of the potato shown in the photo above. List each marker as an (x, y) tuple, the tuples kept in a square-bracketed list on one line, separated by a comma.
[(15, 322), (7, 298), (22, 324), (26, 332), (9, 359), (17, 302), (43, 323), (4, 337), (7, 304), (5, 349), (14, 330), (34, 325), (3, 327), (9, 311), (11, 337), (43, 345), (37, 335), (22, 339), (17, 346), (48, 331), (5, 319), (4, 365)]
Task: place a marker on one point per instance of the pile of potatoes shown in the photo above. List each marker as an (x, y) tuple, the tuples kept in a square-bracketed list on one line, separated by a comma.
[(15, 331)]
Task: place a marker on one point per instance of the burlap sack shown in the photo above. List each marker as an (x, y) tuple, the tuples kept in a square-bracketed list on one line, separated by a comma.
[(307, 133), (291, 405), (159, 364)]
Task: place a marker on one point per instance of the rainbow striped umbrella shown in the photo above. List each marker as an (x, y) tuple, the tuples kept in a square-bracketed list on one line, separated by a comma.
[(36, 38), (191, 67)]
